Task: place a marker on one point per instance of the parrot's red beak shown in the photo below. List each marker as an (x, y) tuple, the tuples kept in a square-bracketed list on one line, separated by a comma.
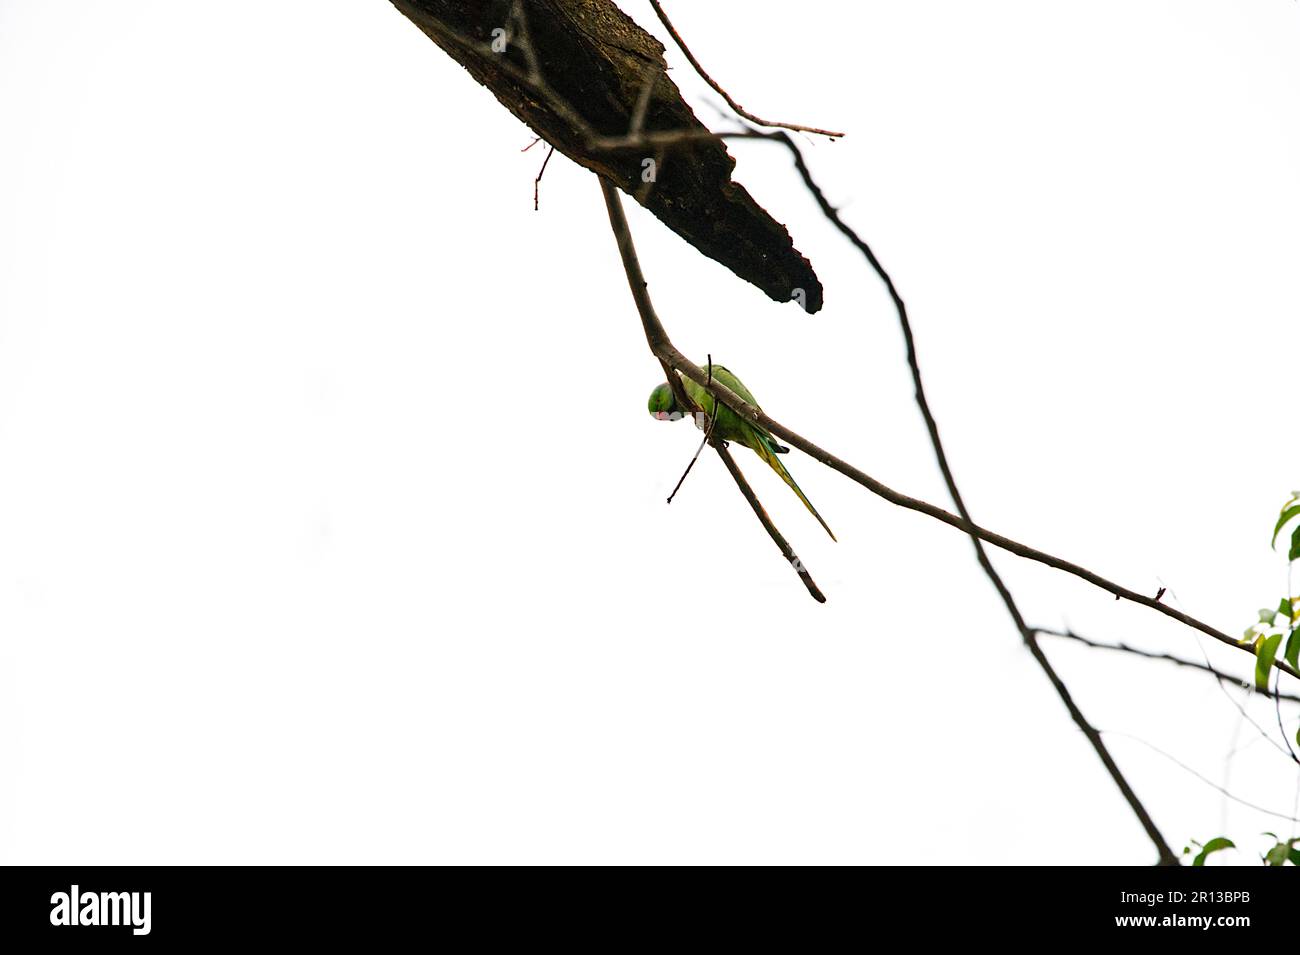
[(661, 415)]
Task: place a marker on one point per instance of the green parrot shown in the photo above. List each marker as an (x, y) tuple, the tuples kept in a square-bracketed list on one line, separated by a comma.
[(729, 425)]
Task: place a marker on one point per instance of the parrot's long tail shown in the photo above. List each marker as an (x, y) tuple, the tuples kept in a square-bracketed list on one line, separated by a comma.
[(767, 450)]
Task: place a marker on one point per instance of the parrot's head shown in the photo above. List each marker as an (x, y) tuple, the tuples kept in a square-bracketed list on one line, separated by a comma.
[(662, 404)]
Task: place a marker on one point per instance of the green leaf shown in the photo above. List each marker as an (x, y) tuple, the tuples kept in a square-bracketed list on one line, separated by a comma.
[(1264, 660), (1284, 608), (1295, 546), (1214, 845), (1293, 649), (1294, 856), (1278, 854), (1287, 514), (1266, 616)]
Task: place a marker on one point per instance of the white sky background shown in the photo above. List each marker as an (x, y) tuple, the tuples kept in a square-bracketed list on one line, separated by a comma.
[(332, 525)]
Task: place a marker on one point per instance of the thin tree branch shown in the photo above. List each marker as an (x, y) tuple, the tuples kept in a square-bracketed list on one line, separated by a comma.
[(655, 335), (786, 550), (1209, 782), (1166, 854), (1165, 851), (708, 432), (1121, 647), (1222, 682), (717, 87), (1263, 733), (537, 183)]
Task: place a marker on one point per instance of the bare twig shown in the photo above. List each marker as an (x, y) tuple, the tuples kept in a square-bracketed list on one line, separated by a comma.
[(717, 87), (655, 335), (1240, 707), (1163, 849), (1204, 779), (1121, 647), (708, 433), (1227, 766), (786, 550), (540, 173)]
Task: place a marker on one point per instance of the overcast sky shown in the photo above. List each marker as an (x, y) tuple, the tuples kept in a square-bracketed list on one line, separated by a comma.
[(332, 525)]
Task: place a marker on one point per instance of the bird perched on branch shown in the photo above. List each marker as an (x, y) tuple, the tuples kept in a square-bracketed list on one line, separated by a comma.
[(727, 424)]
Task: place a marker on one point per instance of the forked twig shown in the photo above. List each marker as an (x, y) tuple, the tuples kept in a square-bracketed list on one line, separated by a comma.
[(717, 87)]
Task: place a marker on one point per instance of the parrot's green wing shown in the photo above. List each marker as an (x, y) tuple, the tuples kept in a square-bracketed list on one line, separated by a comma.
[(732, 427), (725, 376), (729, 425)]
